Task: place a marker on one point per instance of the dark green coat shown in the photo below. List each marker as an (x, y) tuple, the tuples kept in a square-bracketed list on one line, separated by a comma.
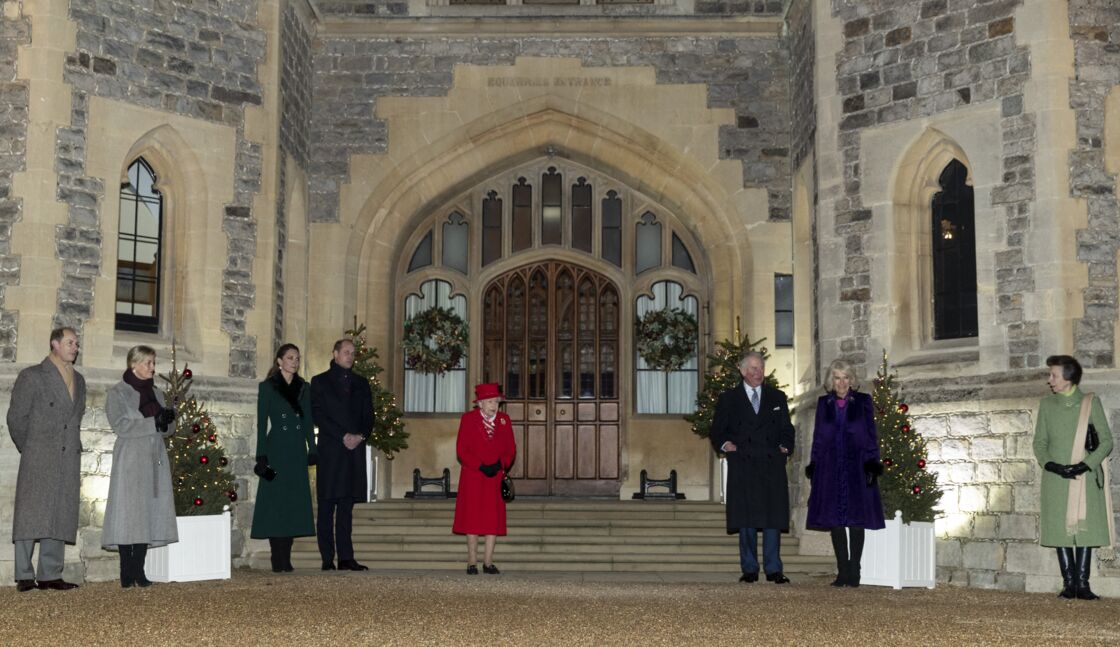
[(283, 507), (1053, 441)]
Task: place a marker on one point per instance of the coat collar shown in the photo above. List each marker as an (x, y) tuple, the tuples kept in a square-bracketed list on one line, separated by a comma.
[(58, 385)]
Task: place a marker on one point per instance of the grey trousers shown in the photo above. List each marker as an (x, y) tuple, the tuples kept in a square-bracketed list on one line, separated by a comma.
[(52, 555)]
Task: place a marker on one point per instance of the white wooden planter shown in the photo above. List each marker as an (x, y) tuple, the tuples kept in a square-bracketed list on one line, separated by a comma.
[(902, 554), (202, 552)]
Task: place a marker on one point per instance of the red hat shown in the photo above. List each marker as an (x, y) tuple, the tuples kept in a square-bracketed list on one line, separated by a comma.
[(487, 391)]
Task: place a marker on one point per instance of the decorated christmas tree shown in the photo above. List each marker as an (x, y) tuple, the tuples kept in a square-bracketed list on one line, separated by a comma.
[(906, 483), (388, 434), (723, 373), (199, 474)]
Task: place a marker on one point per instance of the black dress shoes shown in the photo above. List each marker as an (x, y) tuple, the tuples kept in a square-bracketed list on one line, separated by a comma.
[(490, 569), (56, 585), (23, 586), (749, 577), (472, 569), (777, 578), (351, 565), (328, 565)]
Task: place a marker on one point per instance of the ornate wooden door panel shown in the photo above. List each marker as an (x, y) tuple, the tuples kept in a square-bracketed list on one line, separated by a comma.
[(551, 339)]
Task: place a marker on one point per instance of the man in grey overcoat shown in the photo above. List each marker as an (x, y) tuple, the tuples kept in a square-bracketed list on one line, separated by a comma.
[(44, 420)]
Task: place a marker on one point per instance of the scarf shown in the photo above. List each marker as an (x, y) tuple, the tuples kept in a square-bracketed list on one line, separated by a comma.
[(149, 405), (290, 391), (1076, 503)]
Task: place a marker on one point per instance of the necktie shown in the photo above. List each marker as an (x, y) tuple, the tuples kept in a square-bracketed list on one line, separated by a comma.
[(754, 399)]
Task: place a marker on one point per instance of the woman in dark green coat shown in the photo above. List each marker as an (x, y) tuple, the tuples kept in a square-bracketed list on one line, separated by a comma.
[(285, 447), (1067, 465)]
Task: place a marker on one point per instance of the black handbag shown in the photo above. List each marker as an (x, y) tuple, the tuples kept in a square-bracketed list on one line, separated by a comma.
[(1092, 440), (508, 493)]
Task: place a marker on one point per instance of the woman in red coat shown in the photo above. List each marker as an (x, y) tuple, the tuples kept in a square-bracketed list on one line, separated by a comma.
[(485, 448)]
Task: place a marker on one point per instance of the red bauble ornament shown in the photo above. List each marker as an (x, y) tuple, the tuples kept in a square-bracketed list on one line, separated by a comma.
[(223, 461), (195, 428), (905, 429), (917, 489), (232, 494), (213, 438), (204, 459), (922, 463), (888, 462), (187, 373), (902, 408), (197, 501)]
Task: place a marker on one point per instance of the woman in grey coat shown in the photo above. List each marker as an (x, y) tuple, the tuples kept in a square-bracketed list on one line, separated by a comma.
[(140, 511)]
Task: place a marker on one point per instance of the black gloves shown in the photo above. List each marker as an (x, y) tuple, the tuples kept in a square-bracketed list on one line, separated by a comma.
[(1073, 471), (312, 459), (873, 469), (490, 470), (1066, 471), (165, 417), (809, 471), (263, 469)]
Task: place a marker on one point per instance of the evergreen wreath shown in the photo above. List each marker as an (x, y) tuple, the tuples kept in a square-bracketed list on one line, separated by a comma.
[(666, 338), (434, 340)]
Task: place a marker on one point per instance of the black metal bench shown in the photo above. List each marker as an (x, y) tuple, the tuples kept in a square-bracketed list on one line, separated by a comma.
[(670, 484), (420, 482)]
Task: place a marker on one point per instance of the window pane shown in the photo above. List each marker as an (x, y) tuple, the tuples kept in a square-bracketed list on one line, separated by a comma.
[(581, 215), (491, 228), (783, 329), (422, 257), (681, 257), (139, 231), (427, 392), (648, 240), (455, 237), (552, 203), (522, 215), (953, 248), (612, 228), (783, 292)]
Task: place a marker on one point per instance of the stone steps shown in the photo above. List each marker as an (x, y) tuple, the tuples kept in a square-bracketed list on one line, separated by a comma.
[(557, 535)]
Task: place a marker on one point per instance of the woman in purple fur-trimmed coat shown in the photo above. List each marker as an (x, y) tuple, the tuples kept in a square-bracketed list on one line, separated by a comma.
[(843, 468)]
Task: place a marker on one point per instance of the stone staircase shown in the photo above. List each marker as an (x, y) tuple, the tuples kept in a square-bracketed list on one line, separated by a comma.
[(548, 534)]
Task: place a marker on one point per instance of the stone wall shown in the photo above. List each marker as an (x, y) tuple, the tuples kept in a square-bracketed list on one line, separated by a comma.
[(749, 75), (803, 52), (1095, 31), (199, 60), (15, 30), (908, 61), (232, 406)]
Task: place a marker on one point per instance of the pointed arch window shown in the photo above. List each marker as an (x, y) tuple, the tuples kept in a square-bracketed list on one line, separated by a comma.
[(428, 392), (456, 239), (647, 242), (552, 207), (953, 248), (139, 251), (673, 391)]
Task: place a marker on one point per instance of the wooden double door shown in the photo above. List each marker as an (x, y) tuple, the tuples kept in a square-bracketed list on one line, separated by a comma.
[(551, 338)]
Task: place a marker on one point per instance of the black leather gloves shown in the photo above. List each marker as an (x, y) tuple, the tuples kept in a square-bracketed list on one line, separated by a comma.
[(1066, 471), (872, 470), (263, 469), (1073, 471), (312, 459), (809, 469), (165, 417), (490, 470)]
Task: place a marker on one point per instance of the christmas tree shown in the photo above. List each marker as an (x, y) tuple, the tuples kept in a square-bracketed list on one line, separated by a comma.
[(723, 373), (906, 483), (199, 474), (388, 434)]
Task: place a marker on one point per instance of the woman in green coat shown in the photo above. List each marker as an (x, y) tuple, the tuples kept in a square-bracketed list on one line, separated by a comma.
[(285, 447), (1068, 465)]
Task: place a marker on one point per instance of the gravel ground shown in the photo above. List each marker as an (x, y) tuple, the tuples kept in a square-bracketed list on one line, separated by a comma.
[(432, 608)]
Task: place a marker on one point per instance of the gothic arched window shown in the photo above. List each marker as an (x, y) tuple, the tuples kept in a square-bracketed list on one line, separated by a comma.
[(139, 250), (953, 248)]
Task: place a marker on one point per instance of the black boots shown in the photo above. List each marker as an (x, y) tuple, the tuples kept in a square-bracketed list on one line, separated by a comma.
[(281, 554), (1084, 557), (848, 547), (132, 565), (840, 548), (1067, 563)]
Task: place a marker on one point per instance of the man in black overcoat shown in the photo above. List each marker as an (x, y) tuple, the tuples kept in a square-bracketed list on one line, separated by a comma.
[(751, 426), (342, 407)]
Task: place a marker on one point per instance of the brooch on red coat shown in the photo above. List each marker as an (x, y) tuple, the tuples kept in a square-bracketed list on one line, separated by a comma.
[(501, 421)]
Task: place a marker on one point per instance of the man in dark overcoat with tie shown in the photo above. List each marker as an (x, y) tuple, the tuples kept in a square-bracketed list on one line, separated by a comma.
[(751, 426), (342, 408), (44, 420)]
